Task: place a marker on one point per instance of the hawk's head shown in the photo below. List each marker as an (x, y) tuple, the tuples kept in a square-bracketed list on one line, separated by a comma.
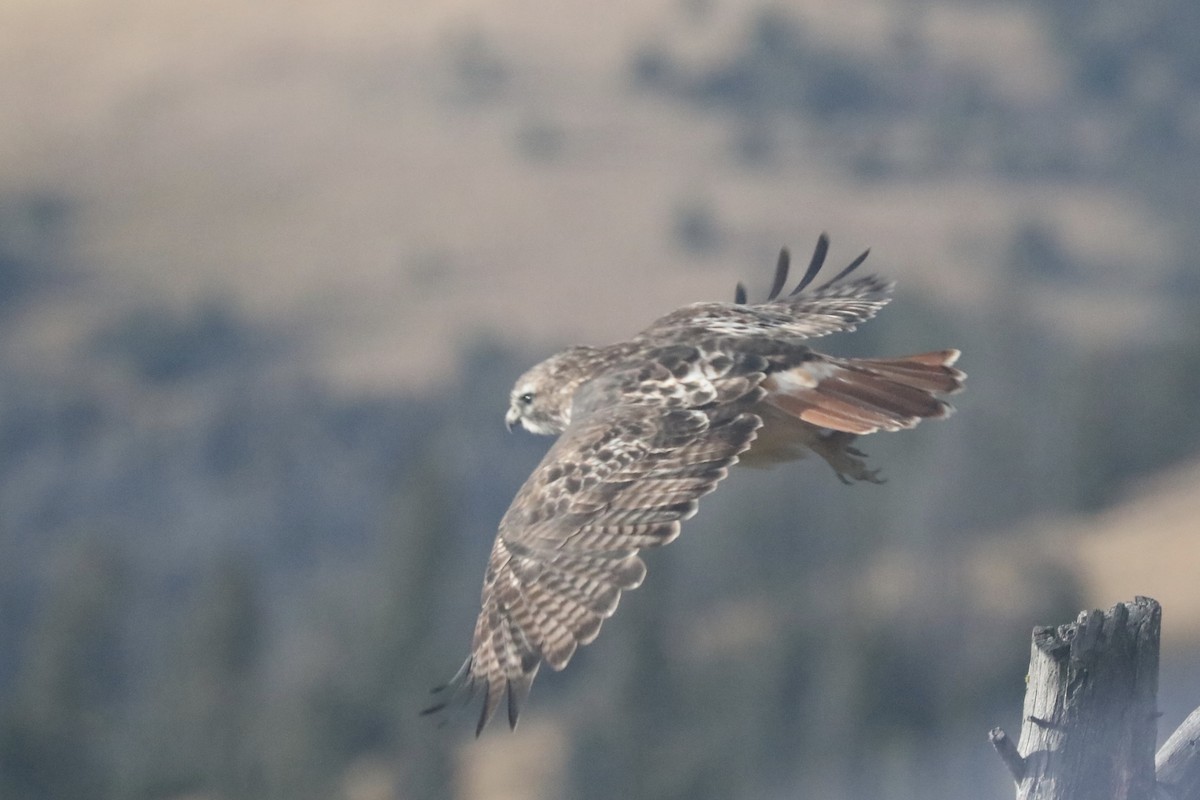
[(541, 398)]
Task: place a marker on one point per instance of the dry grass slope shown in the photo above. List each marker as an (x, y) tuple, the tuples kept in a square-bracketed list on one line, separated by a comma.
[(330, 166)]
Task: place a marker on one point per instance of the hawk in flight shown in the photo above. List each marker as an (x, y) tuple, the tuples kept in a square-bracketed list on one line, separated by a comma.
[(648, 426)]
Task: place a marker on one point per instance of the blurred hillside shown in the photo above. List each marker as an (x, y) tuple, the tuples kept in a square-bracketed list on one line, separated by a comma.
[(267, 273)]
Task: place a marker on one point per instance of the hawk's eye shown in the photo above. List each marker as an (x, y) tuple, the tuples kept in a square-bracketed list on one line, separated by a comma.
[(526, 398)]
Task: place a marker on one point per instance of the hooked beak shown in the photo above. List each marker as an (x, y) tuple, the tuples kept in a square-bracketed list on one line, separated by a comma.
[(511, 418)]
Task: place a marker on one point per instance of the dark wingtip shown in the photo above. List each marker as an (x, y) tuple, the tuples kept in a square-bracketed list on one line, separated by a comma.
[(425, 712), (781, 273), (514, 709), (815, 263), (486, 712), (814, 266), (518, 689), (855, 264), (452, 691)]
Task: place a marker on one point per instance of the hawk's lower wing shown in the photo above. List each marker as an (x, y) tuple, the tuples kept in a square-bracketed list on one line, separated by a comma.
[(619, 479)]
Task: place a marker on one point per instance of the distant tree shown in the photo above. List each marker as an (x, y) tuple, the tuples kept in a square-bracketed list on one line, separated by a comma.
[(696, 228), (31, 230), (223, 636), (1036, 251), (478, 72), (60, 725), (163, 346), (187, 720)]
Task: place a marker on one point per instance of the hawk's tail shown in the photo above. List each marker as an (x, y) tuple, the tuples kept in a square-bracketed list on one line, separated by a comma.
[(865, 395)]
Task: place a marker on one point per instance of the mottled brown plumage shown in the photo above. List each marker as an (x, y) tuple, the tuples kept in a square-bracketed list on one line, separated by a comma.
[(649, 426)]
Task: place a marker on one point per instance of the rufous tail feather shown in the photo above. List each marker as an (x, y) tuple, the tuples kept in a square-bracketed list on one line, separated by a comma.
[(865, 395)]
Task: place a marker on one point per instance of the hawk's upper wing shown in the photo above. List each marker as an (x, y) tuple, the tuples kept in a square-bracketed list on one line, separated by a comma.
[(840, 304), (643, 446)]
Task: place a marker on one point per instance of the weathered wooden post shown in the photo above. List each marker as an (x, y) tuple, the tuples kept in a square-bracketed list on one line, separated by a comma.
[(1088, 727), (1177, 765)]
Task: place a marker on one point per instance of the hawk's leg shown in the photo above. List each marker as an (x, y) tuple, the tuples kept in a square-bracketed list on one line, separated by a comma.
[(846, 461)]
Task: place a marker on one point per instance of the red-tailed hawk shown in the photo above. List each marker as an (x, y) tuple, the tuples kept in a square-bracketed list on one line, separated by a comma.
[(648, 426)]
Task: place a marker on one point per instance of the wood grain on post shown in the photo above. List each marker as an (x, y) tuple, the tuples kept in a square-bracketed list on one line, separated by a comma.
[(1088, 728), (1178, 761)]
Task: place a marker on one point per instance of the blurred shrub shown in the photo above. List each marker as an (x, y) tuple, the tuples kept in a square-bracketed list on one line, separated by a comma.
[(31, 230), (696, 228), (166, 346)]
